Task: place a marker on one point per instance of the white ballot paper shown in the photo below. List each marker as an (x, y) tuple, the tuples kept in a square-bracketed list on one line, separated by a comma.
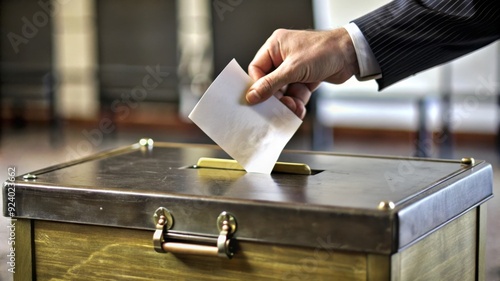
[(253, 135)]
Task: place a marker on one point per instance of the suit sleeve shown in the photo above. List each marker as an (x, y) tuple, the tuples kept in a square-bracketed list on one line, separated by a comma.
[(408, 36)]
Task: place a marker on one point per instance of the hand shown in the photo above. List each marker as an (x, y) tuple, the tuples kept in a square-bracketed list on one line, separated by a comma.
[(291, 65)]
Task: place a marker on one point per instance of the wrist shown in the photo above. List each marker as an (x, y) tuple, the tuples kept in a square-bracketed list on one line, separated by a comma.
[(346, 45), (345, 51)]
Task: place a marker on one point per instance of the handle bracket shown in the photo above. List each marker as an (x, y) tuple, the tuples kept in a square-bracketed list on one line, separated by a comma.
[(165, 243)]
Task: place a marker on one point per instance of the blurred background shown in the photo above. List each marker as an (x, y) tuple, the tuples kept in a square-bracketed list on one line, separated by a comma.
[(81, 76)]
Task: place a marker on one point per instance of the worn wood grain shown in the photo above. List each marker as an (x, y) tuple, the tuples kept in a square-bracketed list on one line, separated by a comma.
[(82, 252), (378, 267), (447, 254), (23, 250), (481, 241), (66, 251)]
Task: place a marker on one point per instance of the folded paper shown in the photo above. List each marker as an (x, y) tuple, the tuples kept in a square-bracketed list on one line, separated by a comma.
[(253, 135)]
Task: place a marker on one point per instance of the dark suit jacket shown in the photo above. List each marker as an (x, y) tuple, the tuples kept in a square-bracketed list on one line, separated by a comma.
[(408, 36)]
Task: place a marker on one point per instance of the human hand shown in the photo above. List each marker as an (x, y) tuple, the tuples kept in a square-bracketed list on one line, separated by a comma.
[(292, 63)]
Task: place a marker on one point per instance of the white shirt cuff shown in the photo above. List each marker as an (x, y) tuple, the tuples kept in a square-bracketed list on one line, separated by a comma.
[(368, 65)]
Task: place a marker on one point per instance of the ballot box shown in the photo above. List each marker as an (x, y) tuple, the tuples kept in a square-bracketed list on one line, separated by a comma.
[(155, 211)]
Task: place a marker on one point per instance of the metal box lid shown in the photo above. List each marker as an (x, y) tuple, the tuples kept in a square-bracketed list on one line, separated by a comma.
[(352, 202)]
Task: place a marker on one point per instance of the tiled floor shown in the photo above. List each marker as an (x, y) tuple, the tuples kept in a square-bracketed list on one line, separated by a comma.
[(29, 149)]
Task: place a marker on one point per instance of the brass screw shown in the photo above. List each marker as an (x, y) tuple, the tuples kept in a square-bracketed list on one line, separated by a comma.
[(163, 216), (386, 205), (226, 219), (468, 161), (30, 177), (146, 142), (161, 220)]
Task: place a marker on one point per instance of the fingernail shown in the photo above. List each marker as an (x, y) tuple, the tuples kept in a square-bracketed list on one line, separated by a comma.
[(253, 97)]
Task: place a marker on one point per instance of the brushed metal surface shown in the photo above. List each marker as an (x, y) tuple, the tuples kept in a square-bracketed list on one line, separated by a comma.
[(336, 207)]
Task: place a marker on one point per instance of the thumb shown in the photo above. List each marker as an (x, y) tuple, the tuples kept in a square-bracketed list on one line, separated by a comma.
[(267, 85)]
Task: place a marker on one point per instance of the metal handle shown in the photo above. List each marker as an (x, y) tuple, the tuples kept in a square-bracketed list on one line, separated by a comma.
[(165, 243), (189, 249)]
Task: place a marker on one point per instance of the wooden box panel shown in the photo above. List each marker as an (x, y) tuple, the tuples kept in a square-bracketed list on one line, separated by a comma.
[(64, 251)]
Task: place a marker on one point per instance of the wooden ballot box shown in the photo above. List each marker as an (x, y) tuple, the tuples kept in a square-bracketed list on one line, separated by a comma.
[(152, 211)]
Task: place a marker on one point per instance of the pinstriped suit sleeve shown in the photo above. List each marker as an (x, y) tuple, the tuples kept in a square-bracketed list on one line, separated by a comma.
[(408, 36)]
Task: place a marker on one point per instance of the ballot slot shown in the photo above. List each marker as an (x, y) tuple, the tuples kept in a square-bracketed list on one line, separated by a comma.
[(230, 164)]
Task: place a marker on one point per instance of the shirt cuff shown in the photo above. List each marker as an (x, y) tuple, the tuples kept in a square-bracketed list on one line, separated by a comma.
[(368, 65)]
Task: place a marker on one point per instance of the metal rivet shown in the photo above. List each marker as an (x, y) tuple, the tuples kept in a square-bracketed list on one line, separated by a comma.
[(30, 177), (227, 219), (386, 205), (164, 213), (468, 161), (146, 142)]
